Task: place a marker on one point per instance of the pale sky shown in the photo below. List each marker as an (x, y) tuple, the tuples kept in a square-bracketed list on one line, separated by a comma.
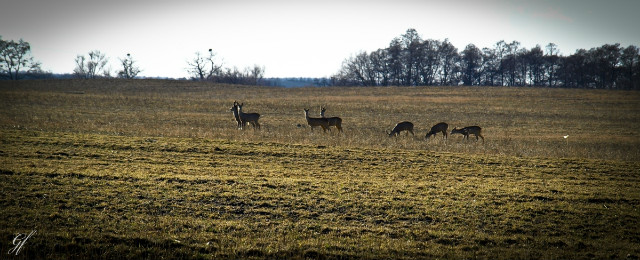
[(298, 38)]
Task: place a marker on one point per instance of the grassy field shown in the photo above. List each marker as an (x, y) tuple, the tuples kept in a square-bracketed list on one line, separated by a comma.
[(156, 169)]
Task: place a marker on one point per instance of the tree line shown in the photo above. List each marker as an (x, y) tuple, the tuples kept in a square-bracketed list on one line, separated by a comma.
[(16, 62), (411, 61), (207, 67), (200, 67)]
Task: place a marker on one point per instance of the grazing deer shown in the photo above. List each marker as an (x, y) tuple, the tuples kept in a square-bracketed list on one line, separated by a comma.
[(437, 128), (315, 121), (402, 126), (333, 121), (245, 118), (476, 130)]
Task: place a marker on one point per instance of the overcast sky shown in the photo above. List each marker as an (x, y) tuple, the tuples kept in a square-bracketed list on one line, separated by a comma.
[(298, 38)]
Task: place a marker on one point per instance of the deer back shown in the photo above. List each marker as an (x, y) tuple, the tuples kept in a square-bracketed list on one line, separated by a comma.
[(473, 130), (315, 121), (439, 127), (402, 126), (247, 117)]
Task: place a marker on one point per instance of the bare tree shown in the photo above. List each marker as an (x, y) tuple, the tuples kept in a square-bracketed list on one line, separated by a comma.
[(201, 67), (411, 44), (214, 69), (449, 59), (394, 59), (551, 60), (490, 67), (92, 67), (471, 62), (15, 58), (534, 64), (630, 68), (357, 70), (197, 66), (129, 70), (256, 74), (430, 65)]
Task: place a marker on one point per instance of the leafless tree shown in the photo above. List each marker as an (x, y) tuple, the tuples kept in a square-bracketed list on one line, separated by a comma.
[(197, 66), (214, 68), (129, 70), (471, 63), (256, 74), (92, 67), (202, 67)]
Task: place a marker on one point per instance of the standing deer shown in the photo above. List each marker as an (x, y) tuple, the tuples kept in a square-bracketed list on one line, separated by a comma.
[(465, 131), (315, 121), (437, 128), (402, 126), (333, 121), (234, 110), (245, 118)]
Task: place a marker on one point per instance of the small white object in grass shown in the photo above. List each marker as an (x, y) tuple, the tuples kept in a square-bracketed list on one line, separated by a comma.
[(566, 136)]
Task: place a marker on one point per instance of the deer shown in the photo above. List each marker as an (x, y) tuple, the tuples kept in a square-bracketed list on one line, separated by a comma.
[(316, 121), (402, 126), (333, 121), (234, 110), (437, 128), (465, 131), (251, 118)]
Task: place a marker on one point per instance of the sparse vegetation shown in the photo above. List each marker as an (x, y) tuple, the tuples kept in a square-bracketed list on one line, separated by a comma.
[(138, 169)]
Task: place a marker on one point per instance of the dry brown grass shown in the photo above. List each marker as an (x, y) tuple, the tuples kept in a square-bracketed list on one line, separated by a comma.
[(515, 121), (95, 196), (143, 169)]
